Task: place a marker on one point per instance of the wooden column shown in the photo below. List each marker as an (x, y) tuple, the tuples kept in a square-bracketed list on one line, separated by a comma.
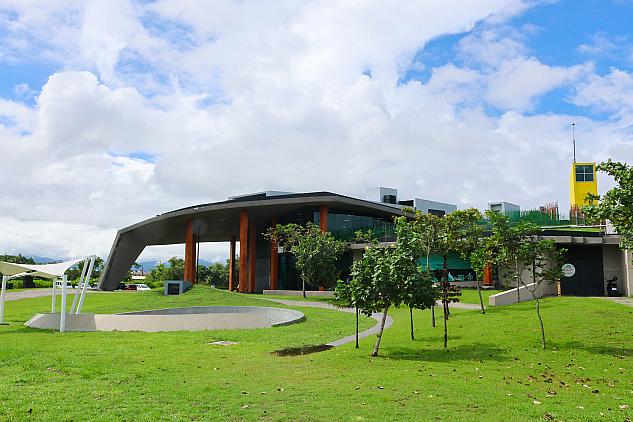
[(323, 218), (190, 253), (488, 275), (243, 250), (274, 261), (252, 252), (232, 263)]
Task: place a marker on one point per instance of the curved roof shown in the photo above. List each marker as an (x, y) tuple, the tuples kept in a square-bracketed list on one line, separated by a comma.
[(220, 221)]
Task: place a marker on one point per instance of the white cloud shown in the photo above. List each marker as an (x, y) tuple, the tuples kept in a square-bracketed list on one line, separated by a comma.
[(242, 97)]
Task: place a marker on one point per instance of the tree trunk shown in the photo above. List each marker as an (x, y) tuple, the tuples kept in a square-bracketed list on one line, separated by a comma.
[(433, 315), (411, 319), (540, 320), (538, 305), (445, 287), (481, 300), (516, 278), (357, 327), (379, 335), (303, 287)]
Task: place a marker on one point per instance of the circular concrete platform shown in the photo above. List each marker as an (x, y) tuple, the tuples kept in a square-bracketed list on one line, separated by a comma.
[(195, 318)]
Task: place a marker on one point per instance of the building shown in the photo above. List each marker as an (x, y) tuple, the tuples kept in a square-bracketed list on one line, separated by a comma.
[(582, 181), (503, 207), (243, 219)]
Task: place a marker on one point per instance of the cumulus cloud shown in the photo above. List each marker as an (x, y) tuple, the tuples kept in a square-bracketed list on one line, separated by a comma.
[(161, 105)]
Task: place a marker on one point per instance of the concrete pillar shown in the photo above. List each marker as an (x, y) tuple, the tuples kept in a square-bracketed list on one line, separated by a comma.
[(243, 250), (252, 253), (190, 253), (232, 263), (323, 218), (274, 261)]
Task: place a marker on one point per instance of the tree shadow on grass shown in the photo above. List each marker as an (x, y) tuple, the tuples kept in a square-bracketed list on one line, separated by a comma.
[(471, 352), (624, 351)]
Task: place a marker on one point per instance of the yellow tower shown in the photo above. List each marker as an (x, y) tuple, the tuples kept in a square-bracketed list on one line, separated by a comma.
[(582, 181)]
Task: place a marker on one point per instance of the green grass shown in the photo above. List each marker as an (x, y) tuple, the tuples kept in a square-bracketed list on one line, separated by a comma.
[(494, 368), (469, 295)]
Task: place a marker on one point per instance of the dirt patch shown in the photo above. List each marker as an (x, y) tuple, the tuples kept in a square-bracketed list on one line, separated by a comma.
[(302, 350)]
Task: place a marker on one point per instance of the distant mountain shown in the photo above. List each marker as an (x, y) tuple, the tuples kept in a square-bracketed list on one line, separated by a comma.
[(149, 265), (44, 259)]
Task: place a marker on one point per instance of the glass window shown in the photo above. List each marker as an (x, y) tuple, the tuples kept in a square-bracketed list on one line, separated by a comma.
[(584, 173)]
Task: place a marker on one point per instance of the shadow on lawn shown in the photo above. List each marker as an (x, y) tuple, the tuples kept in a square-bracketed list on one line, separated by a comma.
[(476, 352), (620, 352)]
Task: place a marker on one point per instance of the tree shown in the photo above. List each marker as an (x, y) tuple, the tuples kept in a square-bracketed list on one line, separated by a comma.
[(416, 285), (427, 228), (459, 232), (617, 204), (174, 270), (545, 261), (316, 252), (388, 276)]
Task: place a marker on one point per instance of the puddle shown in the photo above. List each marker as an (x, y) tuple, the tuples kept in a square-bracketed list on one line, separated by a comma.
[(302, 350)]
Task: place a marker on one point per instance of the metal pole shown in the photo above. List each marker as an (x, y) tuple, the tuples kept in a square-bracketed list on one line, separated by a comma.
[(62, 311), (81, 280), (2, 297), (54, 297), (86, 283), (573, 138)]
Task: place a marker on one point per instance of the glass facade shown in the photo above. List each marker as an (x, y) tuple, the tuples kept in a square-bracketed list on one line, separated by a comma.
[(344, 226)]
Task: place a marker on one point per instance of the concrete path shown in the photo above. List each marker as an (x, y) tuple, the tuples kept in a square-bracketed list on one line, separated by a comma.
[(628, 301), (324, 305), (27, 294)]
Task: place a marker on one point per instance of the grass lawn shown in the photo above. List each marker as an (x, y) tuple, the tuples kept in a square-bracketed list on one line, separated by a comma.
[(494, 369), (469, 295)]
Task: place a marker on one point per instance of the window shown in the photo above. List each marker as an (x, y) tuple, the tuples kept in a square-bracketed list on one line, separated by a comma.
[(584, 173)]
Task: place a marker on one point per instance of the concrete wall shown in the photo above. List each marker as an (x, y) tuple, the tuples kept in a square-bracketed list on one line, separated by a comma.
[(613, 263), (510, 296), (628, 264)]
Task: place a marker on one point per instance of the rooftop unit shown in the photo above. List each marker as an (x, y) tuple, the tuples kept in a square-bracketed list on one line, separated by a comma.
[(503, 207)]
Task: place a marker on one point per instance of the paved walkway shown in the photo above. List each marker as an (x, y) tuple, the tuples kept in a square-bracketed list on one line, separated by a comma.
[(324, 305), (27, 294), (628, 301)]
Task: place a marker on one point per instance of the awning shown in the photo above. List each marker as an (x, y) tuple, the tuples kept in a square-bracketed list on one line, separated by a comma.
[(37, 270)]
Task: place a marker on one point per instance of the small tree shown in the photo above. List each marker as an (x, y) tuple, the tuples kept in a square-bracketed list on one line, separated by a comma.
[(316, 252), (617, 204), (459, 232), (427, 228), (545, 261)]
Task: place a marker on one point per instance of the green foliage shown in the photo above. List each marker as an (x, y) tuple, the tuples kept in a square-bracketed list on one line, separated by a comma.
[(75, 272), (316, 253), (388, 276), (617, 204), (16, 259)]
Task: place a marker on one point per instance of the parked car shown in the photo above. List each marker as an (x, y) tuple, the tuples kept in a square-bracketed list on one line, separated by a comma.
[(142, 287), (121, 286), (130, 287), (60, 283), (89, 287)]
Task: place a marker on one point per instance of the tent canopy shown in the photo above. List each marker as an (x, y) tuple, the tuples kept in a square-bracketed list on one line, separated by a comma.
[(37, 270)]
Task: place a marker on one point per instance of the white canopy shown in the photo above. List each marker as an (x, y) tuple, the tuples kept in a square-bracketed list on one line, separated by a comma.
[(37, 270)]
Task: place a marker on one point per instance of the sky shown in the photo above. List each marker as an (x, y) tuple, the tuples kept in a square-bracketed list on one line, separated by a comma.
[(114, 112)]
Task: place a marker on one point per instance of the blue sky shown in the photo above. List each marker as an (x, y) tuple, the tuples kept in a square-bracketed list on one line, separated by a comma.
[(112, 112)]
